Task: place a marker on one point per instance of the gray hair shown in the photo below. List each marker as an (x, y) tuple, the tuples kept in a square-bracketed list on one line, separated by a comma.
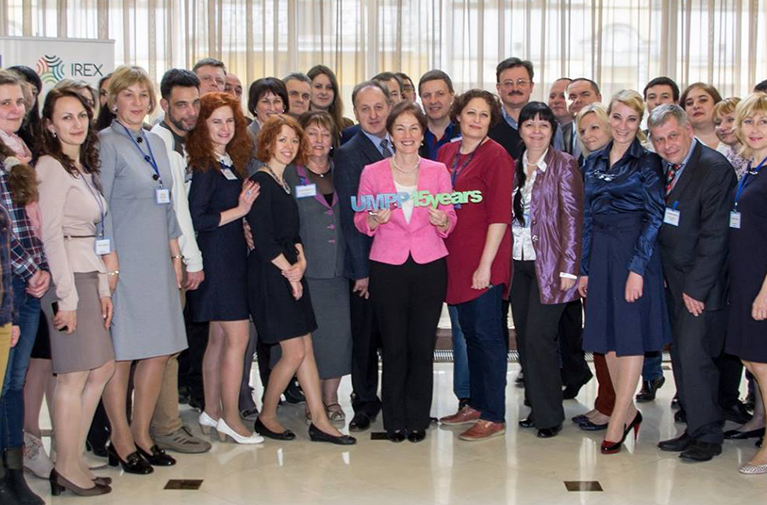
[(297, 76), (663, 113)]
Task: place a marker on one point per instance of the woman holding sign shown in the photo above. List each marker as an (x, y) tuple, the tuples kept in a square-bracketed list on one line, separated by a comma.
[(219, 149), (408, 270)]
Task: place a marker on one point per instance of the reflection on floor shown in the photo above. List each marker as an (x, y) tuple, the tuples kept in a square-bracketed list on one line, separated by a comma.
[(517, 469)]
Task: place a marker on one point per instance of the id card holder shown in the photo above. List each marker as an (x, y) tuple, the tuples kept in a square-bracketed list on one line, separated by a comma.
[(672, 217), (229, 174), (306, 190), (735, 219), (103, 246), (162, 196)]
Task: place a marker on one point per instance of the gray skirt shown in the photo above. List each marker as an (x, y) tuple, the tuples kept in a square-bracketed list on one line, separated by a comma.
[(90, 345)]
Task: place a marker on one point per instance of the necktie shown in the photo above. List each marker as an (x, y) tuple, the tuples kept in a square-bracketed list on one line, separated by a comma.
[(671, 175), (385, 148)]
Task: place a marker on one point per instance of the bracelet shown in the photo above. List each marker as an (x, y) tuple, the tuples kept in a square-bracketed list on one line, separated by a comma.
[(112, 273), (177, 257)]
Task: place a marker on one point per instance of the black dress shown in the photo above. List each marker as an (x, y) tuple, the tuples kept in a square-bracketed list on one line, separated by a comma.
[(222, 296), (748, 268), (274, 220)]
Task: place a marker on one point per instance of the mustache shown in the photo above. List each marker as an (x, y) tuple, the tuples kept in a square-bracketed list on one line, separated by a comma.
[(515, 92)]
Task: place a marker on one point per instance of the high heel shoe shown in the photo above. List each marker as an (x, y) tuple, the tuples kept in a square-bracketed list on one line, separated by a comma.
[(59, 484), (224, 431), (102, 481), (317, 435), (615, 447), (134, 463), (156, 456), (207, 423)]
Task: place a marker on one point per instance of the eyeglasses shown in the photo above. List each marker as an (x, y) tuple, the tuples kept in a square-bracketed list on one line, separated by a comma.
[(521, 83)]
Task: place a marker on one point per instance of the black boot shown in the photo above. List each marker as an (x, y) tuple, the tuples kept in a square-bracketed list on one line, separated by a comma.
[(6, 495), (14, 478)]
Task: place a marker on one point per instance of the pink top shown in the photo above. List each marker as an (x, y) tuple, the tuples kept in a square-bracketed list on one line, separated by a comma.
[(396, 240)]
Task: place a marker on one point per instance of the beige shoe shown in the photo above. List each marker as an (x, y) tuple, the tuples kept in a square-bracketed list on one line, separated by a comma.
[(36, 460)]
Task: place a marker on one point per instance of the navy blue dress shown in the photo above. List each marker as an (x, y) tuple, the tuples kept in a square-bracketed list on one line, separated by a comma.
[(223, 295), (623, 211), (748, 268)]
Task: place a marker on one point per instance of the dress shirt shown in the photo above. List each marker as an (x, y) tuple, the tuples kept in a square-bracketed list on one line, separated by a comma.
[(377, 142), (507, 117), (433, 143)]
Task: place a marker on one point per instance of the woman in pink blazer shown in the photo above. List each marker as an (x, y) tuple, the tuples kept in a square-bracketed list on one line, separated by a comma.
[(408, 272)]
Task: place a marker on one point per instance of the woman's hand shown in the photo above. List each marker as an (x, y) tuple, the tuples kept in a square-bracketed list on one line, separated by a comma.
[(583, 286), (107, 309), (759, 308), (634, 287), (177, 267), (438, 218), (249, 193), (65, 318), (381, 216), (480, 279), (15, 334), (298, 289), (112, 280), (566, 283), (296, 271)]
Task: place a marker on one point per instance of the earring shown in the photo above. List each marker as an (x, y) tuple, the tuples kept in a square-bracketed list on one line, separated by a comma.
[(114, 110), (53, 133)]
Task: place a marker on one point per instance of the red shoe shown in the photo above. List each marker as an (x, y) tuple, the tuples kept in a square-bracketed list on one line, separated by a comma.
[(466, 415), (483, 430)]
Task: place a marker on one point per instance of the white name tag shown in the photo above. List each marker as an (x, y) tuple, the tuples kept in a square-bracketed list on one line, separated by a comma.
[(735, 220), (672, 217), (162, 196), (306, 190), (229, 174), (103, 246)]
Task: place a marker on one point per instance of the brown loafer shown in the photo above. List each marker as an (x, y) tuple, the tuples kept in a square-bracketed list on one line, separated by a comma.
[(466, 415), (483, 430)]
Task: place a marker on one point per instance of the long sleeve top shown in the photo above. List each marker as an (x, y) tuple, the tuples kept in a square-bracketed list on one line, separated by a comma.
[(7, 311)]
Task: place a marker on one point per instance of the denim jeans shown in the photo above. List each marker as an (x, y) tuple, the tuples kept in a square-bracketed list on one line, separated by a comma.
[(651, 368), (460, 359), (12, 398), (486, 348)]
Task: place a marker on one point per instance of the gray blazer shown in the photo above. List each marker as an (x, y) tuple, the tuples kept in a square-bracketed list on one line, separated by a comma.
[(320, 231)]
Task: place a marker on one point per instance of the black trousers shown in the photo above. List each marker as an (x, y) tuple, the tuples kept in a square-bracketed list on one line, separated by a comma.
[(730, 374), (366, 340), (408, 301), (190, 360), (537, 327), (575, 371)]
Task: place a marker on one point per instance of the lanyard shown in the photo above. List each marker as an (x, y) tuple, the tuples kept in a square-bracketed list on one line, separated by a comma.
[(102, 210), (149, 158), (747, 179), (455, 171)]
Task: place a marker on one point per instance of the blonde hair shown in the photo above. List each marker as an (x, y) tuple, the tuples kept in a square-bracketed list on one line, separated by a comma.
[(754, 104), (632, 100), (126, 76), (599, 111), (726, 106)]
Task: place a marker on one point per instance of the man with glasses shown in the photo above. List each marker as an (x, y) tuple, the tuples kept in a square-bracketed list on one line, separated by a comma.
[(514, 83)]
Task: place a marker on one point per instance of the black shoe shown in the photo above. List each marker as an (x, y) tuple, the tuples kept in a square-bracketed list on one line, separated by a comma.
[(396, 436), (527, 422), (743, 435), (581, 419), (701, 451), (293, 393), (462, 402), (197, 403), (360, 422), (134, 463), (156, 456), (750, 402), (262, 430), (572, 390), (183, 395), (416, 436), (317, 435), (589, 426), (98, 451), (675, 402), (649, 389), (6, 494), (737, 413), (680, 416), (14, 479), (678, 444), (550, 432)]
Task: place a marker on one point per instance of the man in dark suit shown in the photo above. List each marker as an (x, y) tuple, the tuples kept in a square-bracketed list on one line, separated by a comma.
[(370, 144), (693, 245), (514, 84)]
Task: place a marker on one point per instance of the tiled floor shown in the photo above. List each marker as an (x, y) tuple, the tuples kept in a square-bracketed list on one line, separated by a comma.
[(517, 469)]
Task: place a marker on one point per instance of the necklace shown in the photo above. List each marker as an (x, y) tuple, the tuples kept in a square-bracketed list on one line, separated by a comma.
[(281, 182), (417, 164), (318, 174)]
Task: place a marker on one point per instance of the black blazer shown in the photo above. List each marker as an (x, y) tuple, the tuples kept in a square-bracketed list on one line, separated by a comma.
[(349, 160), (508, 137), (694, 254)]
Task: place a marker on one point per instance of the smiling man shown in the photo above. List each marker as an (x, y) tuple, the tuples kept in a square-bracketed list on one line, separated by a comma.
[(436, 91), (514, 84)]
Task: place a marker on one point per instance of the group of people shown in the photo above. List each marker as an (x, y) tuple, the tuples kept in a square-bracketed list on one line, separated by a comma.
[(134, 257)]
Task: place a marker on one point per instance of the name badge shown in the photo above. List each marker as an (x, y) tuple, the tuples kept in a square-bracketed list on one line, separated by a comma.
[(735, 220), (162, 196), (307, 190), (229, 174), (672, 217), (103, 246)]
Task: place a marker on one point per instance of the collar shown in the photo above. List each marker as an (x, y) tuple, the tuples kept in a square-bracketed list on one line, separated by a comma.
[(510, 120), (178, 139), (635, 150), (541, 164), (377, 140), (447, 136)]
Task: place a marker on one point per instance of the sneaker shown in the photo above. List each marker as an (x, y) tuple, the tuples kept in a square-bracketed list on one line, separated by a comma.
[(483, 430), (466, 415), (36, 460), (249, 415), (182, 440)]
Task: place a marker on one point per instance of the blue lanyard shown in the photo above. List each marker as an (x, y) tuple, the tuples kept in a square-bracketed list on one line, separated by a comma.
[(746, 180), (149, 158), (455, 171), (102, 210)]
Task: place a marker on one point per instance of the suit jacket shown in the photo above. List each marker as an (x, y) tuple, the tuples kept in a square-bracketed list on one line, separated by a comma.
[(394, 241), (694, 254), (349, 160), (556, 213), (508, 137), (348, 133), (567, 136)]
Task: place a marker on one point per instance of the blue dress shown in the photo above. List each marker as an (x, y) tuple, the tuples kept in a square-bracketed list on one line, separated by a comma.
[(223, 295), (623, 211)]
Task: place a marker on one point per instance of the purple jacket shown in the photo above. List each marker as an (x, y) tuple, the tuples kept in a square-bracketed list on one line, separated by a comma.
[(556, 218)]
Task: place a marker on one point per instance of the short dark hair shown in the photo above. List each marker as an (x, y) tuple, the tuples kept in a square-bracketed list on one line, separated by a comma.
[(761, 87), (594, 85), (461, 101), (177, 77), (541, 110), (297, 76), (369, 84), (406, 107), (662, 81), (209, 62), (513, 63), (265, 85), (404, 77), (435, 75), (388, 76)]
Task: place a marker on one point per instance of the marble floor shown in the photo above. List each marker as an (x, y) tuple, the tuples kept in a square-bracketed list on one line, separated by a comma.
[(517, 469)]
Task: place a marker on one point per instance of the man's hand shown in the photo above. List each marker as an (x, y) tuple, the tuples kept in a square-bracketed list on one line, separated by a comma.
[(695, 307), (194, 279), (361, 287)]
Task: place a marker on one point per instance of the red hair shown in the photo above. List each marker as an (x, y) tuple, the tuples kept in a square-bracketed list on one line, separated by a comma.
[(199, 146), (267, 138)]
